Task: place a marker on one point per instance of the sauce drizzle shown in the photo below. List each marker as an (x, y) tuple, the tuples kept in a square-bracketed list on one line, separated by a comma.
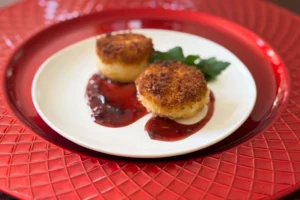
[(115, 105), (168, 130)]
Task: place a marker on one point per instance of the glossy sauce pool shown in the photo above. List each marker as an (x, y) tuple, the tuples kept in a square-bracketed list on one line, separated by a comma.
[(168, 130), (115, 105)]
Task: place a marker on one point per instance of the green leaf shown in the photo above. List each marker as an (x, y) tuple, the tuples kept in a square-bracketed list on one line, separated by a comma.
[(191, 59), (210, 67), (175, 54)]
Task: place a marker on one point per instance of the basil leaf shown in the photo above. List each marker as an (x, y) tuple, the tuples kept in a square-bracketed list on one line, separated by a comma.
[(191, 59), (210, 67), (176, 53)]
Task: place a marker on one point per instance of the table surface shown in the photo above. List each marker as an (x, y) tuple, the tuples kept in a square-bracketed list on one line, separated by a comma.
[(292, 5)]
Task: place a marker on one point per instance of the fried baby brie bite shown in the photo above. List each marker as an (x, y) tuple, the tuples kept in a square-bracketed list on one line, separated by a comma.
[(123, 57), (172, 89)]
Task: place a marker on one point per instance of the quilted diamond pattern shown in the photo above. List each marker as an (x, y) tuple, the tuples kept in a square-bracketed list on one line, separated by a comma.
[(30, 167)]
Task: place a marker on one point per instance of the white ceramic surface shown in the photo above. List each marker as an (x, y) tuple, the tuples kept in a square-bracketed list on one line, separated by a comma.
[(59, 87)]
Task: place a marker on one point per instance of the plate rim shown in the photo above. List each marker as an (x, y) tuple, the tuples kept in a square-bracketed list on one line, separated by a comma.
[(164, 155)]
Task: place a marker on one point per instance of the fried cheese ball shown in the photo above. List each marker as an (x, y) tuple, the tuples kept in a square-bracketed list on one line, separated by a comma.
[(123, 57), (172, 89)]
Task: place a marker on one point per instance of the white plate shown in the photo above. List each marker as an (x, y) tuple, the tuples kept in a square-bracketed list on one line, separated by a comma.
[(59, 87)]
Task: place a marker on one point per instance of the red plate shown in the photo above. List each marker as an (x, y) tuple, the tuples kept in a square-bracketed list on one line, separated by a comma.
[(261, 159)]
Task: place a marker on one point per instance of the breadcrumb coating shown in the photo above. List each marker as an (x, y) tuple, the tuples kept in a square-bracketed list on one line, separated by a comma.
[(124, 48), (172, 89)]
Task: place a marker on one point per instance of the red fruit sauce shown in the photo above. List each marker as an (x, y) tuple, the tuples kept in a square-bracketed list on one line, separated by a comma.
[(168, 130), (115, 105)]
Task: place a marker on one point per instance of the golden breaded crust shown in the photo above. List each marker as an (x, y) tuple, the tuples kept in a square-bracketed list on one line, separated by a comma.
[(172, 85), (124, 48), (183, 112)]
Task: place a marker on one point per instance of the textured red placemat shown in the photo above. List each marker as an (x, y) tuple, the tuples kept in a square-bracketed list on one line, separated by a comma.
[(267, 165)]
